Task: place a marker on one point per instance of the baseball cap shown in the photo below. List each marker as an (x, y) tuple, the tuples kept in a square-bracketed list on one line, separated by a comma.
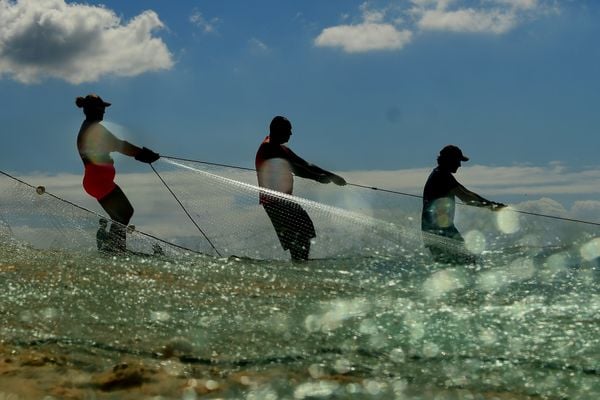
[(453, 152), (91, 101)]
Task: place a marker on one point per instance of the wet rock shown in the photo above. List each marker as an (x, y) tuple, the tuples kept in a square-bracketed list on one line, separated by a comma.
[(177, 347), (123, 376), (34, 359)]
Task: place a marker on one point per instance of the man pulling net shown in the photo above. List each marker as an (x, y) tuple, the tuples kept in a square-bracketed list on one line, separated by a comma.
[(275, 165)]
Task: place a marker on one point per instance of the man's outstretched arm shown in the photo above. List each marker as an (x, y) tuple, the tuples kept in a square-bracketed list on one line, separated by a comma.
[(307, 170), (473, 199)]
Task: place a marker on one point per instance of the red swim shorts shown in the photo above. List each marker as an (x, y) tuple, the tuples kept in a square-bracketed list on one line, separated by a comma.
[(98, 180)]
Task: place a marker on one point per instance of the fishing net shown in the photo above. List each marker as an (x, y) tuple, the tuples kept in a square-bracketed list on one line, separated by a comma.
[(224, 205), (219, 214), (215, 210), (352, 221), (32, 216)]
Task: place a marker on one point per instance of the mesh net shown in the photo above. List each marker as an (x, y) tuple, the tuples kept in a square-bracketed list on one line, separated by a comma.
[(31, 216), (220, 215), (224, 203), (227, 217)]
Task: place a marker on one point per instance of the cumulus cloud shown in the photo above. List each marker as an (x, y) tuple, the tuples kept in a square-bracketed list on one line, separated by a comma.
[(468, 20), (370, 35), (491, 17), (395, 26), (77, 43), (364, 37)]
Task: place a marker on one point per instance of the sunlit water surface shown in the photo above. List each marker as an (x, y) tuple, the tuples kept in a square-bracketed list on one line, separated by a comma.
[(370, 327)]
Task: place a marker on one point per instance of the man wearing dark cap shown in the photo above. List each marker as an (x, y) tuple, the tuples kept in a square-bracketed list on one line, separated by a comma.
[(275, 166), (437, 218)]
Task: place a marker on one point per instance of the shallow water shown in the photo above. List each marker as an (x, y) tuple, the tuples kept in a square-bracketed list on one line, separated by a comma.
[(383, 323), (378, 327)]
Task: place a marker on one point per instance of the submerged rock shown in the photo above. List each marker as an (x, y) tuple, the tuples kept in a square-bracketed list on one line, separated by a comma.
[(123, 376)]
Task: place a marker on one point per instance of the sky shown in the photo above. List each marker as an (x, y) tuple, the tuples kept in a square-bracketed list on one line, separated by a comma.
[(374, 89)]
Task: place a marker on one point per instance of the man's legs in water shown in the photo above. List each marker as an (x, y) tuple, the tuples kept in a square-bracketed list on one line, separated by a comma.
[(293, 226), (300, 248), (447, 246), (120, 210), (300, 231)]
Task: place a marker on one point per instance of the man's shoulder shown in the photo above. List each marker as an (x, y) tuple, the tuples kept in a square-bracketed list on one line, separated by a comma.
[(440, 178), (441, 173), (273, 149)]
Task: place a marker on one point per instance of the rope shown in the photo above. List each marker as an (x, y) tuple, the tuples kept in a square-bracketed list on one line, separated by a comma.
[(96, 214), (208, 163), (393, 192), (184, 210), (580, 221), (384, 190)]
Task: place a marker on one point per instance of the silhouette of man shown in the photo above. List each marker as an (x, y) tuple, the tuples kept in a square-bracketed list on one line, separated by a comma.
[(95, 143), (439, 203), (275, 166)]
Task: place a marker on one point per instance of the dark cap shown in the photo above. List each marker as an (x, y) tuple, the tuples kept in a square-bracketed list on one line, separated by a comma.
[(91, 101), (453, 153)]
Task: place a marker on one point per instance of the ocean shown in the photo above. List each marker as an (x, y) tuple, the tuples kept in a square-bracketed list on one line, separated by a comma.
[(367, 319), (241, 329)]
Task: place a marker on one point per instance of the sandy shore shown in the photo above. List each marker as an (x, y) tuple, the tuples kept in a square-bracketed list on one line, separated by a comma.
[(51, 372)]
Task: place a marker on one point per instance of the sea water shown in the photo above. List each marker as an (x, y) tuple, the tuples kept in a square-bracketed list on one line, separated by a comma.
[(78, 324), (373, 317)]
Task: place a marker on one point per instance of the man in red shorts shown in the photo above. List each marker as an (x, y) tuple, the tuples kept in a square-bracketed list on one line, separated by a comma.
[(275, 166), (95, 143)]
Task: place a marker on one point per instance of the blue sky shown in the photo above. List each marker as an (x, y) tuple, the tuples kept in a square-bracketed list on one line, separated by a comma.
[(369, 86)]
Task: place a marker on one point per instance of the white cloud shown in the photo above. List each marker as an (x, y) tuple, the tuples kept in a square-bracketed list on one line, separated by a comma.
[(364, 37), (258, 46), (468, 20), (520, 4), (372, 34), (77, 43), (207, 26), (491, 16), (372, 16), (393, 27)]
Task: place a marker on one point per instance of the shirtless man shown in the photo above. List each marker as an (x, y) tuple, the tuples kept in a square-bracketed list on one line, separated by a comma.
[(275, 166)]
